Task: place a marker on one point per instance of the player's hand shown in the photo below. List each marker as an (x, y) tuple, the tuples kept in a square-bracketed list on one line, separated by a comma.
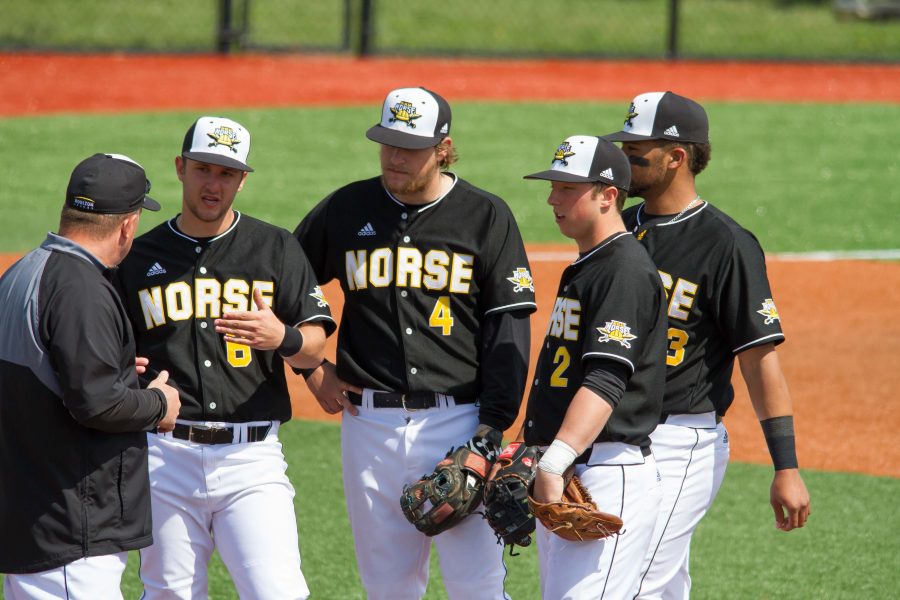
[(548, 487), (330, 391), (173, 402), (140, 364), (259, 329), (789, 499)]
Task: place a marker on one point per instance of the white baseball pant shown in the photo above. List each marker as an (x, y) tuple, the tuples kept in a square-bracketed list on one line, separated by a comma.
[(234, 497), (384, 449), (92, 578), (622, 482), (692, 455)]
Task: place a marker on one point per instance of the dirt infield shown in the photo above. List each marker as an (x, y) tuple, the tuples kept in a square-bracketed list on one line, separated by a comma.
[(840, 317)]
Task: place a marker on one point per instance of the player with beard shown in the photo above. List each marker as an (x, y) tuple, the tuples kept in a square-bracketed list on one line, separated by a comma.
[(433, 347)]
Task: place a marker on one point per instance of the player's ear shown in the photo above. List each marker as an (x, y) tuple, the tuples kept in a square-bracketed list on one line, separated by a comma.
[(243, 179), (678, 156), (179, 168)]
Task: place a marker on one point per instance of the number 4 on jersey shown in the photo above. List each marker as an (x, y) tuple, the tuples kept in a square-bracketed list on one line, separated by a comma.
[(440, 316)]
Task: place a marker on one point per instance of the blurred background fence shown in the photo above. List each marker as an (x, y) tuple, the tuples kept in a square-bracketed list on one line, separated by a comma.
[(820, 30)]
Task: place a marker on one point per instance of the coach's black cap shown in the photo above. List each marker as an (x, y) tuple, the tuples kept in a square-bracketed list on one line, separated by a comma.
[(218, 141), (588, 159), (412, 118), (109, 184), (663, 116)]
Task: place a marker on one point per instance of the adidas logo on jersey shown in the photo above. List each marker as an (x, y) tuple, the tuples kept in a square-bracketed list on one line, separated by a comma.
[(366, 230), (673, 131), (607, 173), (156, 269)]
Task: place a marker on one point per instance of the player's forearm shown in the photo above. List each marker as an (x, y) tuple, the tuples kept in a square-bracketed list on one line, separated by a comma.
[(506, 340), (765, 381), (585, 418), (312, 350)]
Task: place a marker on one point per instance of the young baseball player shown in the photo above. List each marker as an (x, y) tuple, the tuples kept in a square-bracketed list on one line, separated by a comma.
[(222, 300), (598, 384), (433, 347), (74, 492), (720, 307)]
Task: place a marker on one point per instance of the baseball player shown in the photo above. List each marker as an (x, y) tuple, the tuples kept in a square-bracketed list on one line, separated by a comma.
[(598, 385), (74, 492), (720, 307), (434, 342), (221, 300)]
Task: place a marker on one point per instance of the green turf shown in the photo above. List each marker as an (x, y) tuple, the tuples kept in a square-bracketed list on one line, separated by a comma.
[(800, 176), (718, 28), (848, 550)]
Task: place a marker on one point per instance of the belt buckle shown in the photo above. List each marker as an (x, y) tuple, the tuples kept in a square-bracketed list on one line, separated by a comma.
[(403, 403)]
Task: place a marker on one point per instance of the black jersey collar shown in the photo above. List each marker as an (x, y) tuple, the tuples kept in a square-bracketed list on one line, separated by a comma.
[(652, 220), (424, 207), (174, 229), (601, 245)]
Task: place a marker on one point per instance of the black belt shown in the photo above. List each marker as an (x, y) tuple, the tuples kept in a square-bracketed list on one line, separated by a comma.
[(218, 435), (663, 417), (410, 401)]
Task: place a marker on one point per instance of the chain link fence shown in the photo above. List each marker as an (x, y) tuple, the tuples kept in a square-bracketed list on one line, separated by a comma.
[(830, 30)]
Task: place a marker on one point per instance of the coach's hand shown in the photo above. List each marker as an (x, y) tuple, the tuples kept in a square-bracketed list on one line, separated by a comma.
[(173, 402), (789, 499), (259, 329), (330, 391)]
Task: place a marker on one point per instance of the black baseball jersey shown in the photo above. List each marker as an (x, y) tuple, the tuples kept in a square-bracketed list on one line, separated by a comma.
[(418, 282), (719, 301), (609, 305), (175, 286)]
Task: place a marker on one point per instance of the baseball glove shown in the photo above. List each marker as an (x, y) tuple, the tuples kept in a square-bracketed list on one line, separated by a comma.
[(439, 501), (506, 494), (575, 517)]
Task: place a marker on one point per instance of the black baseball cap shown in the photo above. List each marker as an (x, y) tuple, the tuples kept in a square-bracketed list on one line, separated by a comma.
[(109, 184), (412, 118), (588, 159), (663, 116), (218, 141)]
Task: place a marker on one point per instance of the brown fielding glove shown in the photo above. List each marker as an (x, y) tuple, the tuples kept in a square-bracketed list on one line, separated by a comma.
[(437, 502), (575, 517)]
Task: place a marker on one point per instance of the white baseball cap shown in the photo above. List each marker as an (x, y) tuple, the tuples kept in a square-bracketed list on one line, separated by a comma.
[(218, 141), (412, 118), (588, 159)]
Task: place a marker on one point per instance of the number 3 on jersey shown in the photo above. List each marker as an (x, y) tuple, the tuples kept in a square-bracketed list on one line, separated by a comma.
[(440, 316), (677, 340)]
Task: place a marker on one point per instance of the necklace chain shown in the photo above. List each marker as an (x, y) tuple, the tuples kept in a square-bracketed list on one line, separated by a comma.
[(684, 210)]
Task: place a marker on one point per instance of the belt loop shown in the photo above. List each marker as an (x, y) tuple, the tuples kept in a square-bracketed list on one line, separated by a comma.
[(367, 399)]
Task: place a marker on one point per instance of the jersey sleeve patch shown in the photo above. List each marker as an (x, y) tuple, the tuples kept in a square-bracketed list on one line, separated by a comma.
[(616, 331), (319, 295), (769, 311), (521, 280)]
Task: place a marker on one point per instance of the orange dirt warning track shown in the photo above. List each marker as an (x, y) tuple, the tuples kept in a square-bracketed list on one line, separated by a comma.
[(840, 317)]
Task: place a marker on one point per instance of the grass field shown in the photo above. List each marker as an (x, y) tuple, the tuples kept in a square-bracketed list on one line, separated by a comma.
[(719, 28), (848, 550), (800, 176)]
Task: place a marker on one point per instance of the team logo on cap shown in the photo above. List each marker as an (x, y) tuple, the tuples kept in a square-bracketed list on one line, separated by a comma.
[(404, 112), (769, 311), (632, 113), (616, 331), (224, 136), (563, 152), (521, 280), (319, 295)]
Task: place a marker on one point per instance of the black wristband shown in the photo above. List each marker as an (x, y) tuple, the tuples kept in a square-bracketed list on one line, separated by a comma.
[(292, 342), (779, 434), (307, 372)]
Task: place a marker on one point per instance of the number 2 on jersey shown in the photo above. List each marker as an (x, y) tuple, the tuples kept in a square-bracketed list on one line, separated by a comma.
[(440, 316), (677, 339), (562, 359)]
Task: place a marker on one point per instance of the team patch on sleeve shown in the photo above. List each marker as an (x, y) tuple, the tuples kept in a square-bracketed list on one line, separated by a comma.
[(769, 311), (319, 295), (521, 280), (616, 331)]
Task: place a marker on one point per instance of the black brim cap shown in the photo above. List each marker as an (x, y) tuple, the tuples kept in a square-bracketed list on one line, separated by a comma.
[(218, 141), (588, 159), (412, 118), (663, 116), (109, 184)]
